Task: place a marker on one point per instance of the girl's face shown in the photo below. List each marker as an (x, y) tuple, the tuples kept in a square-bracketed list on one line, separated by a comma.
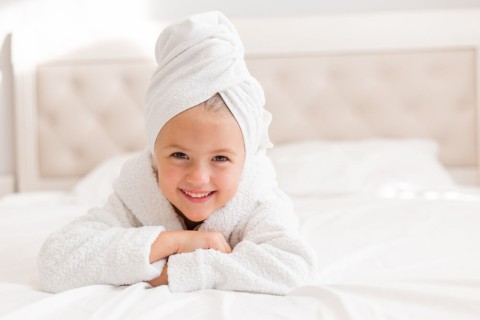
[(199, 156)]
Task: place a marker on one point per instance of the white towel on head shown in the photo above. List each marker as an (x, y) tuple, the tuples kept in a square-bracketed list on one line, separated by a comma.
[(198, 57)]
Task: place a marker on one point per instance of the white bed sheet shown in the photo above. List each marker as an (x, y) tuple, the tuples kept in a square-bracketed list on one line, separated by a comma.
[(413, 255)]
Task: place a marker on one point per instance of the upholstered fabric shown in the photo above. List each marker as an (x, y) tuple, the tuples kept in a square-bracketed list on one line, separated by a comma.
[(90, 110), (424, 94)]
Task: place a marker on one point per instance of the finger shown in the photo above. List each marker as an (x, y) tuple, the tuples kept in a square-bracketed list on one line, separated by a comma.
[(227, 248), (221, 246)]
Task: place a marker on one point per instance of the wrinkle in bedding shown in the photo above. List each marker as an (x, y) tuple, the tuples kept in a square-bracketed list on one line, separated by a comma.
[(379, 258)]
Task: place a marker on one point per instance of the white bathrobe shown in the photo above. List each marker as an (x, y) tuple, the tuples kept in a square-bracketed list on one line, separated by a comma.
[(111, 245)]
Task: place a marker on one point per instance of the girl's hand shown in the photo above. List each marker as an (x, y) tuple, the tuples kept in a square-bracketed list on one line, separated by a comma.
[(162, 279), (172, 242), (188, 241)]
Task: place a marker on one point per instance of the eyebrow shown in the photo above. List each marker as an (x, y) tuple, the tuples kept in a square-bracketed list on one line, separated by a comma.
[(218, 151), (226, 150), (175, 146)]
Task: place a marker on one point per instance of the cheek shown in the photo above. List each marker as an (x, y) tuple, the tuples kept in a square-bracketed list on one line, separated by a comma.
[(228, 180), (168, 177)]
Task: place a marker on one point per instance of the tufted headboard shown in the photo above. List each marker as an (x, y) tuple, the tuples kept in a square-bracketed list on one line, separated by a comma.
[(409, 75)]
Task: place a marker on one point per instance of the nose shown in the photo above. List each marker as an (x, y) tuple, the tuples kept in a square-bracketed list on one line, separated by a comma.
[(198, 174)]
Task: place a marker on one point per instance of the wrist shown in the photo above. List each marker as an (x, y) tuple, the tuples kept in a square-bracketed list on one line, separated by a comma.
[(164, 275), (171, 242), (163, 246), (162, 279)]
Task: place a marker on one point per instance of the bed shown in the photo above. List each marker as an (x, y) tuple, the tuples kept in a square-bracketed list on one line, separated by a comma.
[(375, 125)]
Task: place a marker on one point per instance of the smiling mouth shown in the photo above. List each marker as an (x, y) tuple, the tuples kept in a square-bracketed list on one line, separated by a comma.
[(197, 195)]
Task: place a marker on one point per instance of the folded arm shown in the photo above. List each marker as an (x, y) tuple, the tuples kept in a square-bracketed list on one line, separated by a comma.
[(269, 259), (174, 242), (106, 246)]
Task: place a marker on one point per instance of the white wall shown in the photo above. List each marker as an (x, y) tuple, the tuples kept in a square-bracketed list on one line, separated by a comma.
[(104, 14), (61, 15), (177, 8), (6, 117)]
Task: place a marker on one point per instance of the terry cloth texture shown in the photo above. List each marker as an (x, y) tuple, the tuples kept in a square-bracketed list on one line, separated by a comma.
[(111, 245), (198, 57)]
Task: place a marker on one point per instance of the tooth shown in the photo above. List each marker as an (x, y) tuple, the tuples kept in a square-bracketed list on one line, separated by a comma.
[(197, 195)]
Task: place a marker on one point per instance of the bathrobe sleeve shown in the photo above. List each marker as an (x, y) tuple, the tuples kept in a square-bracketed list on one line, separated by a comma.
[(106, 246), (271, 258)]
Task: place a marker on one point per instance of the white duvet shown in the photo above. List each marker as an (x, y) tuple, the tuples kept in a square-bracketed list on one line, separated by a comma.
[(392, 253)]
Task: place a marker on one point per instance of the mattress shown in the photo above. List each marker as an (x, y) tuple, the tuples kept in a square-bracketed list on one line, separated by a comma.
[(404, 247)]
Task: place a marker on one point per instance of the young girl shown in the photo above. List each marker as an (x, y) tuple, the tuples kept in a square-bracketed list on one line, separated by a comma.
[(199, 208)]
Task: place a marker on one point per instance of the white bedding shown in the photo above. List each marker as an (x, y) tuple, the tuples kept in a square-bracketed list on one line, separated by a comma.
[(394, 251)]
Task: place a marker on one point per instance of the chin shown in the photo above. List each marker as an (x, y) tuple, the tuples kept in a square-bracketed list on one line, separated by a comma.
[(198, 217)]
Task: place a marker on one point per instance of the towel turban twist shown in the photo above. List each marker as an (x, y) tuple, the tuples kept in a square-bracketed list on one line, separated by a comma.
[(198, 57)]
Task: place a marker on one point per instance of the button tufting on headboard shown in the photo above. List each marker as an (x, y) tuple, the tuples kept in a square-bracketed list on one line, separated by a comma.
[(419, 94), (88, 112), (79, 107)]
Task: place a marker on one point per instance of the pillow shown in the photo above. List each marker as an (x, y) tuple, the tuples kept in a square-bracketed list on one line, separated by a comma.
[(95, 188), (319, 168), (330, 167)]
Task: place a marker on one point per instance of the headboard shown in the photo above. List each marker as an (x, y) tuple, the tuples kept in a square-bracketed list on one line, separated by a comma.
[(356, 76)]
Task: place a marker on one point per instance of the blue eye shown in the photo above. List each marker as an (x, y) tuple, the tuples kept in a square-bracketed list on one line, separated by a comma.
[(220, 158), (179, 155)]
